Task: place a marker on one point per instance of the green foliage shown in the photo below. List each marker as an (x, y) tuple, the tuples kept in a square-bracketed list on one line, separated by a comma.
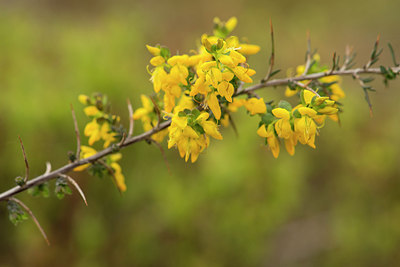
[(62, 188), (15, 213), (40, 190)]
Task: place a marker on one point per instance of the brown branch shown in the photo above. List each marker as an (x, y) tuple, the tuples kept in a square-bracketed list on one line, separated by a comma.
[(25, 159), (313, 76), (144, 136), (78, 138), (19, 202), (76, 185)]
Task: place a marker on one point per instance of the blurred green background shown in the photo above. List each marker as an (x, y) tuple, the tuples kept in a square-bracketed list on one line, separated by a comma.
[(338, 205)]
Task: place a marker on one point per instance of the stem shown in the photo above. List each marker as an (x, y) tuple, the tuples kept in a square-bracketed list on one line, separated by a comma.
[(146, 135)]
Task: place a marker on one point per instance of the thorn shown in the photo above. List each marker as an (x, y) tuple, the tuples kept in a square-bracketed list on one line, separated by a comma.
[(19, 202), (48, 168), (78, 138), (25, 159), (76, 185), (131, 121)]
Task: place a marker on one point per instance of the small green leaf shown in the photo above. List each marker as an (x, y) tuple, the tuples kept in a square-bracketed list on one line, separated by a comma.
[(165, 53), (286, 105), (267, 118), (62, 188), (296, 114), (15, 213)]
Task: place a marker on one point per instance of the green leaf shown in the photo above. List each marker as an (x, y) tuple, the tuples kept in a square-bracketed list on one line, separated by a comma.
[(296, 114), (15, 213), (197, 127), (267, 118), (40, 190), (286, 105), (165, 53), (62, 188)]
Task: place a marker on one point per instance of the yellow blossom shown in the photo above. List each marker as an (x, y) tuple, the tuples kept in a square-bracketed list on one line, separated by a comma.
[(86, 152), (255, 106), (272, 140)]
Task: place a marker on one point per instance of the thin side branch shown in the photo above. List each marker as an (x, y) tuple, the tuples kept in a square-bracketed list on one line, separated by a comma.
[(131, 120), (309, 60), (272, 57), (76, 185), (158, 111), (25, 159), (314, 76), (32, 216), (78, 137), (48, 168), (306, 87)]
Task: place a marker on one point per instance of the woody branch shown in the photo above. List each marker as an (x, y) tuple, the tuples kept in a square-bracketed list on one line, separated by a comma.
[(147, 135)]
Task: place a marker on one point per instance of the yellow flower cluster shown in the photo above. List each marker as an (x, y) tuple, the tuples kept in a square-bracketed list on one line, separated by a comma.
[(326, 86), (298, 124), (101, 127), (204, 83)]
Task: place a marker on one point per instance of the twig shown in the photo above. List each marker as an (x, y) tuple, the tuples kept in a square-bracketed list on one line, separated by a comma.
[(48, 168), (305, 86), (131, 120), (375, 54), (78, 138), (157, 108), (76, 185), (122, 140), (365, 89), (349, 57), (333, 63), (309, 59), (33, 217), (313, 76), (25, 159), (272, 57)]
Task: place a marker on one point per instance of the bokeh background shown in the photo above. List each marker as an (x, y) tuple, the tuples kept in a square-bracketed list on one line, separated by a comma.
[(338, 205)]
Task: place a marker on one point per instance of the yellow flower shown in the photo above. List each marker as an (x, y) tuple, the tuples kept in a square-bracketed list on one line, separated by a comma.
[(282, 126), (255, 106), (213, 104), (107, 135), (226, 90), (86, 152), (119, 177), (248, 49), (91, 111), (145, 110), (305, 127), (272, 140), (157, 61), (231, 24), (155, 51), (92, 130), (159, 78), (83, 99)]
